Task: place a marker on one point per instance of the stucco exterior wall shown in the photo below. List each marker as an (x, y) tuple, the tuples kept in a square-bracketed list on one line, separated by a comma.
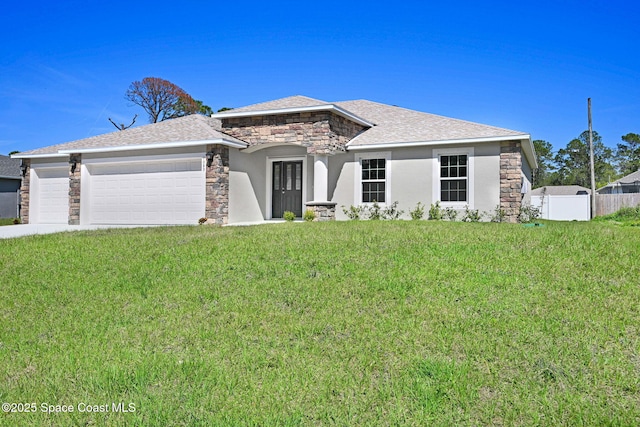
[(250, 183), (411, 174), (341, 182), (487, 177)]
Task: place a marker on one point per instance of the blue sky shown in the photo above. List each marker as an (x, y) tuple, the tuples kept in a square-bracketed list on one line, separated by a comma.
[(528, 66)]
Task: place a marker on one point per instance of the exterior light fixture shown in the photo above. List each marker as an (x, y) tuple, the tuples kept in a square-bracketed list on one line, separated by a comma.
[(23, 168), (209, 158), (74, 165)]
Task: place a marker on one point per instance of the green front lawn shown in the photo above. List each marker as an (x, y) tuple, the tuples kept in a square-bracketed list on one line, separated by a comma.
[(344, 323)]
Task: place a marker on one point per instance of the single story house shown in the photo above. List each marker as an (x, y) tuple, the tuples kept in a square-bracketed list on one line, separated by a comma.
[(9, 187), (253, 163), (625, 185)]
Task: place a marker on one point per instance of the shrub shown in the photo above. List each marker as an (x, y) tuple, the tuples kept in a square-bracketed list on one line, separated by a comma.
[(354, 212), (418, 212), (309, 215), (435, 212), (202, 220), (375, 212), (289, 216), (450, 214), (528, 213), (471, 215), (498, 215), (17, 221), (626, 214), (392, 211)]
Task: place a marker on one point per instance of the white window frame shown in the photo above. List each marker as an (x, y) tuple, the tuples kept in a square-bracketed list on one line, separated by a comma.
[(386, 155), (439, 152)]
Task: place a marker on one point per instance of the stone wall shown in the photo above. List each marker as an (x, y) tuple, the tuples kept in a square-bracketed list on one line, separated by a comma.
[(321, 132), (511, 179), (74, 188), (25, 187), (217, 185), (324, 211)]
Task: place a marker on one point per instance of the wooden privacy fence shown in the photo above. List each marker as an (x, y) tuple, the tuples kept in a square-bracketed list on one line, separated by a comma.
[(610, 203)]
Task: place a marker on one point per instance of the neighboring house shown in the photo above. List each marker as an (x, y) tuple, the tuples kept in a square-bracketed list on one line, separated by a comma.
[(625, 185), (563, 202), (619, 194), (254, 163), (9, 187)]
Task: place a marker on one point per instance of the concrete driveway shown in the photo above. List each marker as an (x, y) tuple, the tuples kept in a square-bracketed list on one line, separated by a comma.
[(10, 231)]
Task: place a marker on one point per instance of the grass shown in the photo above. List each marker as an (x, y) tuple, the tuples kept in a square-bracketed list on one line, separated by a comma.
[(6, 221), (628, 216), (345, 323)]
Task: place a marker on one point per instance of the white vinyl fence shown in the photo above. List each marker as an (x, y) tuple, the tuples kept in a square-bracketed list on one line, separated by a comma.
[(563, 208)]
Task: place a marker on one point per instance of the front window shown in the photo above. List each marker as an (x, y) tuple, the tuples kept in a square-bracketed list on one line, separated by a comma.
[(373, 180), (453, 178)]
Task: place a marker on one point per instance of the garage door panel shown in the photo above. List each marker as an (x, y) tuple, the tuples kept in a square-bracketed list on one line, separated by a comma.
[(148, 193), (52, 195)]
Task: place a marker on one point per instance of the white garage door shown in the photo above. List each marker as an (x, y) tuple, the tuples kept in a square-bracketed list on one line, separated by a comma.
[(51, 201), (154, 192)]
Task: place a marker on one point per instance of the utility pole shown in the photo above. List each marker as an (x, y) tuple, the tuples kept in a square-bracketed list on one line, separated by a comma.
[(593, 175)]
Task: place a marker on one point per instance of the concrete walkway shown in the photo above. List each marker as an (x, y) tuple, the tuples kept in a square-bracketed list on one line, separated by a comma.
[(11, 231)]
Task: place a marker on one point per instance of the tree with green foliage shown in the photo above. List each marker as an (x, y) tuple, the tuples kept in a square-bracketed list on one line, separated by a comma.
[(205, 110), (574, 164), (545, 157), (628, 154)]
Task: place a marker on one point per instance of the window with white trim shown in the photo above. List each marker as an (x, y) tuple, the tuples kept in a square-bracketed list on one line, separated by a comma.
[(372, 177), (373, 180), (454, 178)]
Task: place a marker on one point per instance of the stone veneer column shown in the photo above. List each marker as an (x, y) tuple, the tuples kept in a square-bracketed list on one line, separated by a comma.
[(74, 188), (25, 187), (217, 185), (510, 179)]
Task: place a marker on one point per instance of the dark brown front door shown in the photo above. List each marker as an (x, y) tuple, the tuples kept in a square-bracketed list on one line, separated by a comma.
[(287, 189)]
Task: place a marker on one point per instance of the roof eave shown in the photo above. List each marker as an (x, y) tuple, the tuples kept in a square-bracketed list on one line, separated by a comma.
[(179, 144), (351, 146), (325, 107), (38, 156), (10, 177)]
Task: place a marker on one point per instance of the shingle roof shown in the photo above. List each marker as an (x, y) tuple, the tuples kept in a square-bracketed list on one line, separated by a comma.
[(182, 129), (559, 190), (390, 125), (297, 101), (9, 167), (629, 179), (397, 125)]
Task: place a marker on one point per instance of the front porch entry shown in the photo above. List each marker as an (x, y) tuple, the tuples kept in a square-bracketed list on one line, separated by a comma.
[(287, 184)]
